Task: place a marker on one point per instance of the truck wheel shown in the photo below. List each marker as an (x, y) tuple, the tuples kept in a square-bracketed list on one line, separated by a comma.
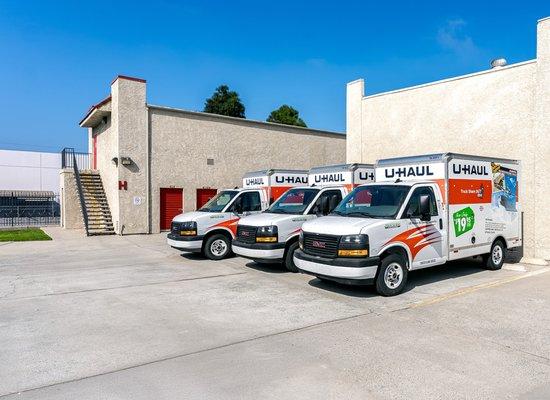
[(392, 275), (217, 247), (289, 258), (495, 258)]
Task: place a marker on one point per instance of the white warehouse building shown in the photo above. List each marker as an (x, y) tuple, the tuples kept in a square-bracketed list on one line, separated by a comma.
[(501, 112)]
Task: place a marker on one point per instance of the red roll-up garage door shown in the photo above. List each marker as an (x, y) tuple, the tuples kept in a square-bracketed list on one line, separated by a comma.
[(203, 195), (171, 204)]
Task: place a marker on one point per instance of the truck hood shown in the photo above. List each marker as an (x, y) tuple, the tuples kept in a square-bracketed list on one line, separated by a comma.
[(192, 216), (336, 225), (266, 219)]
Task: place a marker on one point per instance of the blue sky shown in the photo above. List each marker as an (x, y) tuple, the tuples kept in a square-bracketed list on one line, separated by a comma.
[(57, 58)]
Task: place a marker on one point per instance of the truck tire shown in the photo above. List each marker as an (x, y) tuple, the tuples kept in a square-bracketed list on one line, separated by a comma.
[(494, 260), (289, 258), (392, 275), (217, 247)]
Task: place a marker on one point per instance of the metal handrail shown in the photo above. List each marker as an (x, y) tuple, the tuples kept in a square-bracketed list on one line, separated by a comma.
[(80, 192)]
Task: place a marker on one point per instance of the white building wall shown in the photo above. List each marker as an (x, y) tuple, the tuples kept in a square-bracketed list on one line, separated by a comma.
[(29, 170), (170, 148), (501, 112)]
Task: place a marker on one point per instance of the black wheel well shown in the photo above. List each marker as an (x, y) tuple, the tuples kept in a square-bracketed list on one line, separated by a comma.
[(500, 239), (289, 242), (396, 250)]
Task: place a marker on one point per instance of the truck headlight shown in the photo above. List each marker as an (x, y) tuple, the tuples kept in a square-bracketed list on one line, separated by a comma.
[(267, 234), (353, 246), (186, 228)]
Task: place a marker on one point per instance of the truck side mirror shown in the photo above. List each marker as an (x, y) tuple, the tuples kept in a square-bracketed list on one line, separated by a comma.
[(238, 205), (424, 207), (324, 205)]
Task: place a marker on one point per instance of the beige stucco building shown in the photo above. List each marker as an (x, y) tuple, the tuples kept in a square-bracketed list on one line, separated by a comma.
[(502, 112), (141, 150)]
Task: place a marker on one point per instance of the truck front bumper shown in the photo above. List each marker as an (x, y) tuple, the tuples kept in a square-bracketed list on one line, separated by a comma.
[(356, 271), (272, 252), (185, 243)]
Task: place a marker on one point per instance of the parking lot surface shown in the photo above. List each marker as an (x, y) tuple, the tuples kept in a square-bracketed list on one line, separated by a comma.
[(130, 318)]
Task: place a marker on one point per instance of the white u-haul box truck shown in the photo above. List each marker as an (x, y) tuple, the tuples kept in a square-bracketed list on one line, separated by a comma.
[(212, 227), (272, 236), (422, 211)]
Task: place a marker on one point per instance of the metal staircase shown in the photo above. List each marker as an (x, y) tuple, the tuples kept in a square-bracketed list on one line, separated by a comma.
[(95, 202)]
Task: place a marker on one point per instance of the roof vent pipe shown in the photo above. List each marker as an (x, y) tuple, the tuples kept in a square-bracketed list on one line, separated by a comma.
[(498, 63)]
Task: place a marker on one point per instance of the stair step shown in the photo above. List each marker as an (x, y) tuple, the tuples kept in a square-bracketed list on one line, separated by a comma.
[(100, 221), (101, 233)]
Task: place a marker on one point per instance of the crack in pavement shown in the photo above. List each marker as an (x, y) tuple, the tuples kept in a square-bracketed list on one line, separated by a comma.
[(191, 353), (121, 287)]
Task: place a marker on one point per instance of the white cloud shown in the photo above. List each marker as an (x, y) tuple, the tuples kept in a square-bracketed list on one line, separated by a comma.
[(452, 37)]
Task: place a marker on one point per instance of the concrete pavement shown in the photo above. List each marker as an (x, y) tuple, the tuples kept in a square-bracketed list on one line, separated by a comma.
[(130, 318)]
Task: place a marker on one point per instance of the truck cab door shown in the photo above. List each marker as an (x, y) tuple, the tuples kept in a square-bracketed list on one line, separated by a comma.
[(424, 216), (249, 203), (326, 201)]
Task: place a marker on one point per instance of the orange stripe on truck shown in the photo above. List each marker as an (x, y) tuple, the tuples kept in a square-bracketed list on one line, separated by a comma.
[(230, 224), (417, 238)]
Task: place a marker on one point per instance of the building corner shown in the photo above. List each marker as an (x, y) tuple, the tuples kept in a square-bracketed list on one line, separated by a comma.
[(354, 134)]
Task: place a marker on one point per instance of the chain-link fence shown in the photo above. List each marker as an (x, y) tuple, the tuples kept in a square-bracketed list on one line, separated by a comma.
[(29, 208)]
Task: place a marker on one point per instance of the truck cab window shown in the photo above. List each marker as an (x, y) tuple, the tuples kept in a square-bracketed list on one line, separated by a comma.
[(218, 202), (251, 201), (294, 201), (334, 197), (414, 202), (373, 201)]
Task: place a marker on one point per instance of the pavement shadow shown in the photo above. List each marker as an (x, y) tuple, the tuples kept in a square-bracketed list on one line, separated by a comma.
[(272, 268), (418, 278), (199, 256), (193, 256), (364, 291), (439, 273)]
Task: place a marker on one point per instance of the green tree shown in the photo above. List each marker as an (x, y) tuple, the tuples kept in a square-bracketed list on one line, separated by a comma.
[(225, 102), (287, 115)]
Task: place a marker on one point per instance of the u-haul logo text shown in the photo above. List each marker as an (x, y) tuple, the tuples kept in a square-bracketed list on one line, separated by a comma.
[(470, 169), (364, 176), (407, 172), (254, 181), (326, 178), (291, 179)]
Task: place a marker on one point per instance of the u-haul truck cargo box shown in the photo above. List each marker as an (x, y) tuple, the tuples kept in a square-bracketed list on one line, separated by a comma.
[(479, 195), (272, 236), (348, 175), (275, 181), (422, 211), (211, 228)]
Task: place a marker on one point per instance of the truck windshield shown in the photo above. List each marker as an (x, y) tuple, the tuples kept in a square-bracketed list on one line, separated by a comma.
[(376, 201), (293, 201), (218, 202)]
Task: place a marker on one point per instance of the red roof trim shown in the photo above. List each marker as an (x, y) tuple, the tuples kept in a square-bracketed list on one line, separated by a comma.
[(94, 107), (128, 78)]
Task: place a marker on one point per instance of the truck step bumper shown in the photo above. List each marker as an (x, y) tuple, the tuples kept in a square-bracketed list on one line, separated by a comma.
[(338, 270)]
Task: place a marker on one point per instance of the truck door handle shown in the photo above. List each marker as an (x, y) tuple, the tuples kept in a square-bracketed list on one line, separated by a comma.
[(440, 223)]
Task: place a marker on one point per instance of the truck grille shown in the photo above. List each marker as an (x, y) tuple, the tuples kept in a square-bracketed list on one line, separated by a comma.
[(321, 245), (246, 234)]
